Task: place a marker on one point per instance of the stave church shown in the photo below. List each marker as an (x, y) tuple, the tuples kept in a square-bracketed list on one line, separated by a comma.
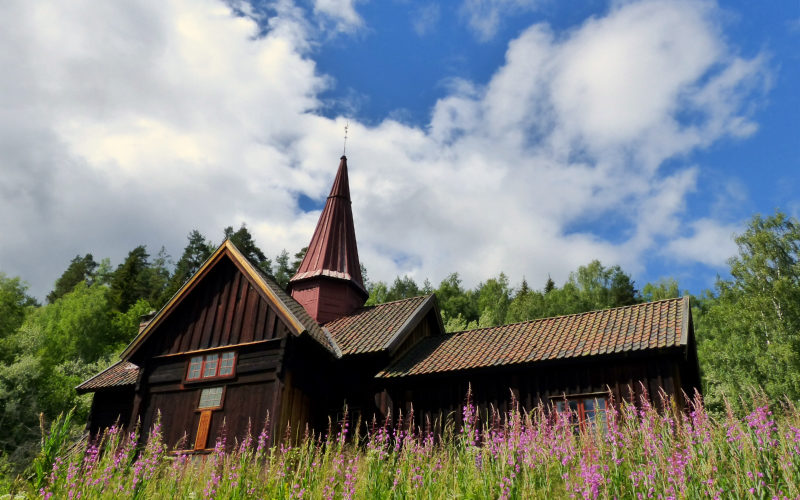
[(233, 351)]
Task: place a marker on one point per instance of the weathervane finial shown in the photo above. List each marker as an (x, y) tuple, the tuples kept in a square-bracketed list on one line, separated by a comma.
[(346, 126)]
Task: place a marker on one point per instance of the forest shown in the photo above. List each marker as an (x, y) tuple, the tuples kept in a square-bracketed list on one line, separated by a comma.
[(747, 326)]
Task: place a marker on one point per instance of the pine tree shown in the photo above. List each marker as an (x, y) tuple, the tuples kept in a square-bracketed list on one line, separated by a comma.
[(197, 250), (549, 285), (298, 259), (79, 269), (283, 271), (245, 243), (132, 279)]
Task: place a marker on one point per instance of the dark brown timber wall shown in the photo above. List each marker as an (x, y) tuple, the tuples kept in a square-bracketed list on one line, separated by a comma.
[(247, 397), (441, 396), (223, 309), (110, 407)]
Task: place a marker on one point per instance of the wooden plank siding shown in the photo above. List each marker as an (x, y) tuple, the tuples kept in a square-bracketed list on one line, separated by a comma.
[(248, 396), (437, 398), (223, 309)]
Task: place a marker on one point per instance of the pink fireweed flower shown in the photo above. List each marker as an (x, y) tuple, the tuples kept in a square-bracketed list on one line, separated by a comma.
[(592, 478), (793, 437), (760, 421)]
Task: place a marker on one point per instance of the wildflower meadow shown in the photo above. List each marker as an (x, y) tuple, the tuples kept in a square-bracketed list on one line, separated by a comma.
[(635, 451)]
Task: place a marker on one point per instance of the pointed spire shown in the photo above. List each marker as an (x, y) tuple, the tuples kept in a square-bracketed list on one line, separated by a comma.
[(333, 256)]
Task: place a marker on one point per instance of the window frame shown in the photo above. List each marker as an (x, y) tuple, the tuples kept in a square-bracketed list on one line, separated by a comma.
[(210, 408), (582, 422), (202, 377)]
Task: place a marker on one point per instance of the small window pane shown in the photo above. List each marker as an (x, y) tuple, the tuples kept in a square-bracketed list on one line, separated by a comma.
[(211, 366), (194, 368), (226, 365), (211, 397)]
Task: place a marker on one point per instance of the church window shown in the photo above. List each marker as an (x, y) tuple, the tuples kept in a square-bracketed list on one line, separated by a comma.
[(210, 397), (226, 365), (211, 366), (195, 368)]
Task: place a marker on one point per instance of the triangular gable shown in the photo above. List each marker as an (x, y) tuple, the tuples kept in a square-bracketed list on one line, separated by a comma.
[(291, 315)]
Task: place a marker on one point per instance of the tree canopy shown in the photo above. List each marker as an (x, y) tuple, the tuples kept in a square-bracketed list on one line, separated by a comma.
[(749, 328)]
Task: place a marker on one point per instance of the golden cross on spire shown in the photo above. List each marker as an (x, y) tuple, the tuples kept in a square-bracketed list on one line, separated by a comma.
[(346, 126)]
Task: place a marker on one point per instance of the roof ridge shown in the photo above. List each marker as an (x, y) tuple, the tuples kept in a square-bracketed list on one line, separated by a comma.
[(593, 311), (375, 306), (402, 300)]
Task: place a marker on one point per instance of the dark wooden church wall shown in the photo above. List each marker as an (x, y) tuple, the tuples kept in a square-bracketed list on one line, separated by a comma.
[(309, 380), (110, 407), (248, 396), (435, 399), (224, 309)]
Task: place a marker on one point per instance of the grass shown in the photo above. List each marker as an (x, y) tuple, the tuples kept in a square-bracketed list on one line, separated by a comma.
[(641, 453)]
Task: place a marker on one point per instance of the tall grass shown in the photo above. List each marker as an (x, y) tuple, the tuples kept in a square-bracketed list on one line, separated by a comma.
[(641, 453)]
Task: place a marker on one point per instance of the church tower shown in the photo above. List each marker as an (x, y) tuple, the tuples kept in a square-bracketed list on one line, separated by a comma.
[(328, 283)]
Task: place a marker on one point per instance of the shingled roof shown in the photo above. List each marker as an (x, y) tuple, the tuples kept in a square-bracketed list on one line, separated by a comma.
[(375, 328), (652, 325), (119, 374)]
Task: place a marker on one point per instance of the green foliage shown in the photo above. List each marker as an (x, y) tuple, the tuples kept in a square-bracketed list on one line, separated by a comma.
[(78, 325), (494, 298), (79, 269), (137, 278), (246, 244), (600, 288), (665, 288), (197, 250), (283, 270), (749, 330), (402, 288), (15, 305), (298, 259), (454, 301), (53, 445), (57, 347)]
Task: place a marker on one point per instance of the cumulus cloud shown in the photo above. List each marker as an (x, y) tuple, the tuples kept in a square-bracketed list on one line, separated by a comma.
[(710, 243), (129, 123)]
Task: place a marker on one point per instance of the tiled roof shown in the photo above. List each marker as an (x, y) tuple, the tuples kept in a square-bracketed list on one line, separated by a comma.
[(119, 374), (370, 329), (639, 327)]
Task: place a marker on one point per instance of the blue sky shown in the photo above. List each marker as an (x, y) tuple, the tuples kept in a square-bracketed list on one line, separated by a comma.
[(486, 135)]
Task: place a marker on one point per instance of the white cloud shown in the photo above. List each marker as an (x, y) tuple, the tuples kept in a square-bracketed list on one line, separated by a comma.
[(710, 243), (341, 12), (484, 16), (125, 124)]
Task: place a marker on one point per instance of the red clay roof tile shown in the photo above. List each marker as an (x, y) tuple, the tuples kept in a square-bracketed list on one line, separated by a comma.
[(370, 328), (117, 375), (651, 325)]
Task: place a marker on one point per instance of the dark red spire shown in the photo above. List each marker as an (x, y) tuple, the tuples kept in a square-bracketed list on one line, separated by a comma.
[(328, 282)]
